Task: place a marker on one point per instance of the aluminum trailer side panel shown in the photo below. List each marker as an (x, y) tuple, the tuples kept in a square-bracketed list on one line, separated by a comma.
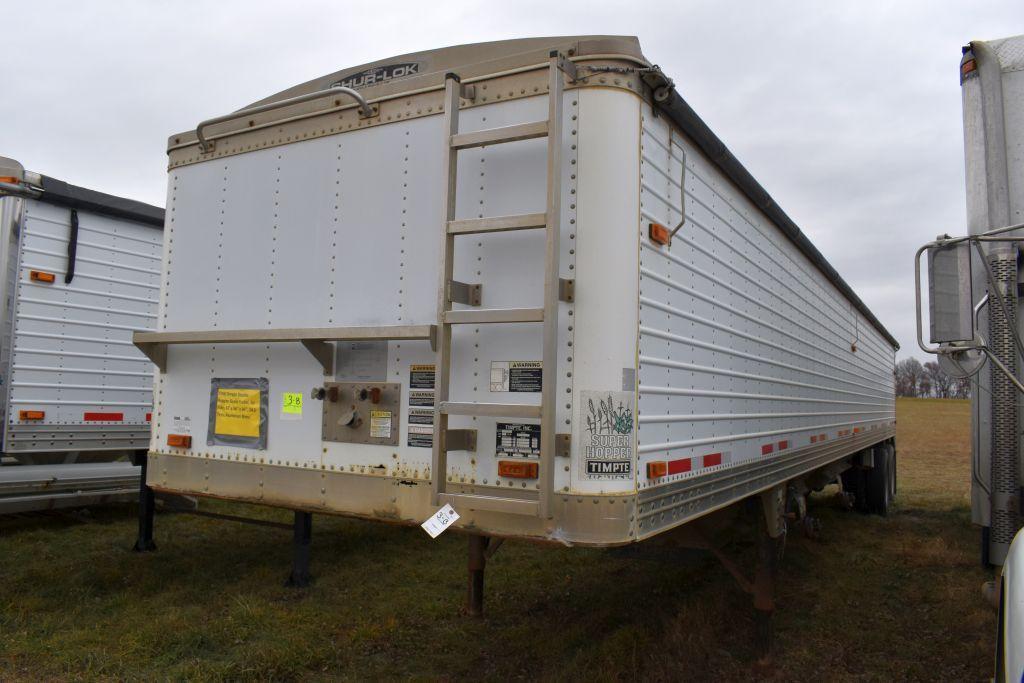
[(748, 355), (72, 358)]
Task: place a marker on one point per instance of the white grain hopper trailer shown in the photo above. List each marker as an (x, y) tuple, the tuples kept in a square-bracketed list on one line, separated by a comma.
[(79, 273), (520, 278)]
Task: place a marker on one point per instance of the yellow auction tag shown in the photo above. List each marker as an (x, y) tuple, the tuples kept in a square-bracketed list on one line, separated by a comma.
[(291, 403), (237, 412)]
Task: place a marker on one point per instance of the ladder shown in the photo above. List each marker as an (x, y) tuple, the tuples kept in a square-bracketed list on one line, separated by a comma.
[(450, 292)]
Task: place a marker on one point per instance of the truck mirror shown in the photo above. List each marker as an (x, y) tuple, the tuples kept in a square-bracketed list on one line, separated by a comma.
[(950, 297)]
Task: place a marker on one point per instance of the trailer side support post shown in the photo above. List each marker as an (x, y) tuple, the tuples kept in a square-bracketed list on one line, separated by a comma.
[(477, 562), (770, 543), (302, 538), (147, 504)]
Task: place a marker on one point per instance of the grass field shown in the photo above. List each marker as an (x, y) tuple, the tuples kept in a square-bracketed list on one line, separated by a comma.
[(873, 599)]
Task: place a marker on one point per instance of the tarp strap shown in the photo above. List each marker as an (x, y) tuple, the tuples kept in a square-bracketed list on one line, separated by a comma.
[(72, 247)]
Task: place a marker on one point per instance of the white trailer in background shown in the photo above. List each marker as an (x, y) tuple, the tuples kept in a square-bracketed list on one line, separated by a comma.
[(80, 273), (522, 279)]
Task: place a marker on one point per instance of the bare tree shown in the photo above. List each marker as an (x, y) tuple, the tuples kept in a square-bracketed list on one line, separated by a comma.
[(941, 383), (909, 373), (928, 380)]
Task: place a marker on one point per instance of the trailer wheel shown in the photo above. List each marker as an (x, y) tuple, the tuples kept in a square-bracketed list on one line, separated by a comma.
[(880, 481)]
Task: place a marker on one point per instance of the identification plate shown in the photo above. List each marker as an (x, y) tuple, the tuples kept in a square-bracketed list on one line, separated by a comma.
[(440, 520), (513, 439)]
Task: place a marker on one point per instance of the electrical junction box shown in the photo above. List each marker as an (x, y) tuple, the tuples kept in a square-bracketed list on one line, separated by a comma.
[(362, 412)]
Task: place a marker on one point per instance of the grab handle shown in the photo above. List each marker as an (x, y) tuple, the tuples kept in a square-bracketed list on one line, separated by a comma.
[(207, 145)]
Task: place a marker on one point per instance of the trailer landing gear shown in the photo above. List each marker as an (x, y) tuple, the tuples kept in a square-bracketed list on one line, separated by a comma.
[(771, 541), (769, 555), (477, 562), (147, 503), (302, 538)]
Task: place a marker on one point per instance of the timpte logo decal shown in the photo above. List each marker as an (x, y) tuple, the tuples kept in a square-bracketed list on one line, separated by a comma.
[(378, 75), (607, 425)]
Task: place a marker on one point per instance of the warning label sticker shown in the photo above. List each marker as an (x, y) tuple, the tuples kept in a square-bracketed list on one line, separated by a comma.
[(421, 403), (421, 437), (606, 427), (421, 416), (516, 376), (514, 439), (421, 376), (380, 424), (421, 398)]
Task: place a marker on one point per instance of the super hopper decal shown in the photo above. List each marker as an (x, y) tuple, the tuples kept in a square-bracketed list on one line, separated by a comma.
[(606, 424)]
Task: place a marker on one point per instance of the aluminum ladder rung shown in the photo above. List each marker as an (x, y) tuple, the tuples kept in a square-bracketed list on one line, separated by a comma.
[(491, 409), (494, 315), (498, 136), (515, 506), (473, 226)]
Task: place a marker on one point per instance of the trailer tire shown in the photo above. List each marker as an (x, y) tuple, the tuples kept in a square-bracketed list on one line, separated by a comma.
[(880, 481)]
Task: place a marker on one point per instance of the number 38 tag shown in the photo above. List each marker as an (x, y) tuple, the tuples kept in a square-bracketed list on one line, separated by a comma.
[(440, 520)]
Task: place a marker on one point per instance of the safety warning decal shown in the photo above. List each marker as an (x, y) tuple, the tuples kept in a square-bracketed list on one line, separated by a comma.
[(421, 376), (421, 416), (421, 398), (380, 424), (421, 404), (606, 425), (517, 439), (420, 436), (516, 376)]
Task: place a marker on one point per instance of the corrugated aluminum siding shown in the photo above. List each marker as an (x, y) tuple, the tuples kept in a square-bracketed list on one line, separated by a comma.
[(72, 351), (745, 348)]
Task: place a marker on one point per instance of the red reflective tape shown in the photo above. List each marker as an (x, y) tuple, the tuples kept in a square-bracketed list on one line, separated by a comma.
[(814, 439), (783, 445), (712, 459), (149, 417), (679, 466), (103, 417), (767, 449)]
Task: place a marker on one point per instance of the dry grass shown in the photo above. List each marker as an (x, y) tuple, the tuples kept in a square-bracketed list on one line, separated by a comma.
[(874, 599)]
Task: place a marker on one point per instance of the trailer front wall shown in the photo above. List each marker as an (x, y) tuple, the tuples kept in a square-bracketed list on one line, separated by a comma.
[(747, 353), (345, 230), (71, 352)]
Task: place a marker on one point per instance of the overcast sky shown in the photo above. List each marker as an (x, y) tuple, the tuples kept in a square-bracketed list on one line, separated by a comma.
[(847, 113)]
